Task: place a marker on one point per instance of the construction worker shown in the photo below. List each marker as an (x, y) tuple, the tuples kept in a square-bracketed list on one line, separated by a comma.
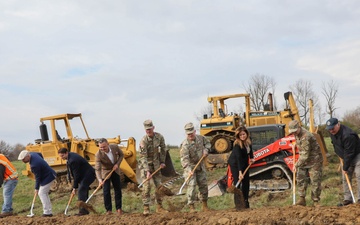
[(309, 164), (152, 156), (8, 178), (238, 161), (347, 146), (44, 178), (193, 148), (83, 174), (107, 160)]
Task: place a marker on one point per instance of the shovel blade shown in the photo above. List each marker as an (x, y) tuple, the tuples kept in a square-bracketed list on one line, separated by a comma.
[(215, 189)]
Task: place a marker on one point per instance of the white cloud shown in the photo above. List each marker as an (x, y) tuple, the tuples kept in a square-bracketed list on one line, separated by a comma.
[(339, 61), (121, 62)]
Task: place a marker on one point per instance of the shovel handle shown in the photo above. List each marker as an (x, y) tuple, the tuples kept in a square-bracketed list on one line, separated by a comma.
[(294, 173), (149, 177), (239, 181), (193, 170), (100, 185), (34, 199), (71, 197), (68, 204), (348, 182)]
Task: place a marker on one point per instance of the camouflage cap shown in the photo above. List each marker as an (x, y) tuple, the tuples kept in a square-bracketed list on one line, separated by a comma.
[(148, 124), (293, 126), (189, 128)]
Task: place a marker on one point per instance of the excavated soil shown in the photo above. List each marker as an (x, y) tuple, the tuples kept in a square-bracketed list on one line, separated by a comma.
[(347, 215)]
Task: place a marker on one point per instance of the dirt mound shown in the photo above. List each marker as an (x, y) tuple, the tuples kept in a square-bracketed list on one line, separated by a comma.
[(293, 215)]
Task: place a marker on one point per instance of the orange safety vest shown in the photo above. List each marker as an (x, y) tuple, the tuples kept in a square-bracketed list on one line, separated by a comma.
[(10, 170)]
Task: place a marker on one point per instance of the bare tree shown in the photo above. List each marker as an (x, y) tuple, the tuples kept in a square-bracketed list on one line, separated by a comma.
[(330, 91), (206, 110), (258, 87), (303, 91), (352, 119), (5, 148)]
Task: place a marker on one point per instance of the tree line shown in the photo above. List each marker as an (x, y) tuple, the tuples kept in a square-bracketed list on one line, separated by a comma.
[(11, 151)]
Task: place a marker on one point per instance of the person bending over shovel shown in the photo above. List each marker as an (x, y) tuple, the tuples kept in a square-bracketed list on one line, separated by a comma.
[(192, 149), (107, 160), (239, 161), (152, 157), (83, 174), (44, 178)]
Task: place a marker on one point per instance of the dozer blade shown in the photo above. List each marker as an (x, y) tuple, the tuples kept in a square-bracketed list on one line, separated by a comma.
[(217, 187), (169, 170)]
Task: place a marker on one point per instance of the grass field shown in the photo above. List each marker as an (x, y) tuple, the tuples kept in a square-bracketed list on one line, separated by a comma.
[(331, 192)]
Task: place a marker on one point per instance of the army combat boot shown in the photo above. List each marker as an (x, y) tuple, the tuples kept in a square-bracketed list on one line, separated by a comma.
[(316, 201), (301, 201), (192, 208), (204, 206), (146, 210), (160, 209)]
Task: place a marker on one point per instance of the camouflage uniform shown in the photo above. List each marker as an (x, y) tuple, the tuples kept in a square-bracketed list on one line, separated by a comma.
[(309, 164), (152, 154), (190, 153)]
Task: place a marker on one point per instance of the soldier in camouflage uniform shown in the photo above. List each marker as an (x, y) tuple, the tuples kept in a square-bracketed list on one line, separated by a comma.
[(152, 156), (192, 149), (309, 164)]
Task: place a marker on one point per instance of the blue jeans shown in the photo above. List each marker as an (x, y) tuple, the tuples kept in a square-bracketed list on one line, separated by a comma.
[(8, 190)]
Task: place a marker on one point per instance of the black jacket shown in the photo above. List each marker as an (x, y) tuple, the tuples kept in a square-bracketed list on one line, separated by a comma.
[(80, 169), (240, 158), (346, 145)]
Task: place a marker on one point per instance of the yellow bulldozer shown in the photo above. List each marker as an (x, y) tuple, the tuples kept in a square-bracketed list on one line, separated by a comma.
[(76, 139), (265, 126)]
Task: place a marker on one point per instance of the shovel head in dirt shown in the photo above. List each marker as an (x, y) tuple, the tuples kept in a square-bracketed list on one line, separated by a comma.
[(239, 199)]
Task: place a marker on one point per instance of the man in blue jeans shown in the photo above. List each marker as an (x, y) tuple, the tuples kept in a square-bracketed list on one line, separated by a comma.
[(9, 180)]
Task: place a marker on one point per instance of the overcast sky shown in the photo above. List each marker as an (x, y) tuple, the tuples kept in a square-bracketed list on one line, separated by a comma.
[(122, 62)]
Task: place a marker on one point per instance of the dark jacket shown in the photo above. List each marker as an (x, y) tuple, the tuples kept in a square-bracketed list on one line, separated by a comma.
[(346, 145), (80, 169), (239, 157), (44, 174)]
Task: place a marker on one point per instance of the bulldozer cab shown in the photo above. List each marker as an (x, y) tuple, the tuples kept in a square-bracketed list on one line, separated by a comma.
[(264, 135)]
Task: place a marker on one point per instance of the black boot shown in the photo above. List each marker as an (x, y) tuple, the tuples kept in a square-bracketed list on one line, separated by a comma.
[(247, 205)]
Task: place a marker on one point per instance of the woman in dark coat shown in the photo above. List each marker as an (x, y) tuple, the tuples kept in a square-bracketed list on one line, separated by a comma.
[(239, 161)]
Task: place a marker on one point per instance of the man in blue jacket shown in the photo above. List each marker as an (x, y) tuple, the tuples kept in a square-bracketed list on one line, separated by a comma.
[(44, 178), (83, 174), (347, 146)]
